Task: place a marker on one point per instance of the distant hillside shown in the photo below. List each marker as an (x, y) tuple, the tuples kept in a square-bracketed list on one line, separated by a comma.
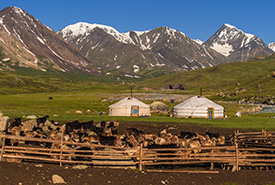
[(251, 81), (29, 80)]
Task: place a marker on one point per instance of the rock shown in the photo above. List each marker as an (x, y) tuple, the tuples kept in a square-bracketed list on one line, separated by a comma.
[(221, 94), (3, 123), (28, 125), (234, 169), (45, 128), (81, 167), (238, 114), (57, 179), (55, 115), (48, 123), (88, 110), (158, 106), (39, 165), (31, 117), (78, 112)]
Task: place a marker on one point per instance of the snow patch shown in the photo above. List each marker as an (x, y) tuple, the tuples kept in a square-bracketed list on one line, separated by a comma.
[(136, 68), (230, 26), (160, 55), (272, 46), (6, 29), (198, 41), (224, 49), (40, 40), (156, 37), (83, 28), (130, 76), (143, 56)]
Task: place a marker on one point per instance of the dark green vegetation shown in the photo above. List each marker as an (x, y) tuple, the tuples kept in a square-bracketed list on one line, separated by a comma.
[(232, 81)]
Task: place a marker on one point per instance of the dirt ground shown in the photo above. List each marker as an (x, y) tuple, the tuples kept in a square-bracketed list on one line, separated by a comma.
[(38, 173), (34, 173)]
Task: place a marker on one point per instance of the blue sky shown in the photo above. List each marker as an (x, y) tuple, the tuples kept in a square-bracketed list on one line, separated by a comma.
[(196, 18)]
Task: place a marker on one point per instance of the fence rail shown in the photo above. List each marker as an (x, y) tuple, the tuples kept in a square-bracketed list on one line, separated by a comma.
[(250, 149)]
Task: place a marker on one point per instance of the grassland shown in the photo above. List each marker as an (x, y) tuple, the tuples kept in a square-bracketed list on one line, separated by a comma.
[(64, 104)]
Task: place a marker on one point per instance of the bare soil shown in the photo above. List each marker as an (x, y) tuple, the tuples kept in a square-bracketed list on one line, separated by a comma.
[(33, 173)]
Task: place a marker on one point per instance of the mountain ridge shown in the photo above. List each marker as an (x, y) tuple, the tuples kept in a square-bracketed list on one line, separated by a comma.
[(237, 45), (29, 43), (161, 47)]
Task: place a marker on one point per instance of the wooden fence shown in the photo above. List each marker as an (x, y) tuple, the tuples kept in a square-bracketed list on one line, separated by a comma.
[(249, 149), (96, 155), (257, 148)]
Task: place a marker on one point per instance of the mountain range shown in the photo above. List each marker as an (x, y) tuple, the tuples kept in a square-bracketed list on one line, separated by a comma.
[(133, 52), (101, 50)]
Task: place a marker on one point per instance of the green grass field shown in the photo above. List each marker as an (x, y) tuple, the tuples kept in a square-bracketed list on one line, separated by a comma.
[(64, 104)]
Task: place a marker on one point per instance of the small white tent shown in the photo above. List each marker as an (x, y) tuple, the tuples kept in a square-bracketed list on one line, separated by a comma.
[(199, 107), (129, 107)]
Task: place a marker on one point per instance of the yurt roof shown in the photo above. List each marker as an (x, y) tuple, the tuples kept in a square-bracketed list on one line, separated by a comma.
[(196, 102), (125, 102)]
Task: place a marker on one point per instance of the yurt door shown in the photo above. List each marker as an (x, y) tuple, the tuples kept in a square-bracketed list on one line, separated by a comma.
[(210, 113), (134, 111)]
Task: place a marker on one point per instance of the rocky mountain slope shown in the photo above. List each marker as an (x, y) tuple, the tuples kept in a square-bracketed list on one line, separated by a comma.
[(26, 42), (237, 45), (134, 54), (272, 46)]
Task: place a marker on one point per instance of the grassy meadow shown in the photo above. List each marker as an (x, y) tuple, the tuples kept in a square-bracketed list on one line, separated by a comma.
[(91, 102)]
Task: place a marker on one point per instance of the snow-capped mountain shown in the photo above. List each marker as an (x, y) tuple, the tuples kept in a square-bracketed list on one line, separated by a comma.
[(177, 48), (84, 29), (237, 45), (198, 41), (29, 43), (272, 46), (132, 52)]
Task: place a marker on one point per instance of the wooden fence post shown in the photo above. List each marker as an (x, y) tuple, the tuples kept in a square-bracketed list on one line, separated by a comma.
[(61, 146), (237, 157), (140, 158), (212, 163), (3, 146)]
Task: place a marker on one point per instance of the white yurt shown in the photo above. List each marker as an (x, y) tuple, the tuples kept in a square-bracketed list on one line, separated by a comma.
[(129, 107), (199, 107)]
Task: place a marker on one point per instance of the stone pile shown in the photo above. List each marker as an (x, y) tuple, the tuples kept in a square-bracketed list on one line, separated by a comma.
[(3, 125)]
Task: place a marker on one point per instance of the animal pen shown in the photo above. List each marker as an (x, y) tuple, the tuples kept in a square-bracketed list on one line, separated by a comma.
[(249, 150)]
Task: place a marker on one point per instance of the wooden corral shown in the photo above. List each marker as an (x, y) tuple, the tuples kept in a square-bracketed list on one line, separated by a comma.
[(257, 148), (92, 154), (247, 150)]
